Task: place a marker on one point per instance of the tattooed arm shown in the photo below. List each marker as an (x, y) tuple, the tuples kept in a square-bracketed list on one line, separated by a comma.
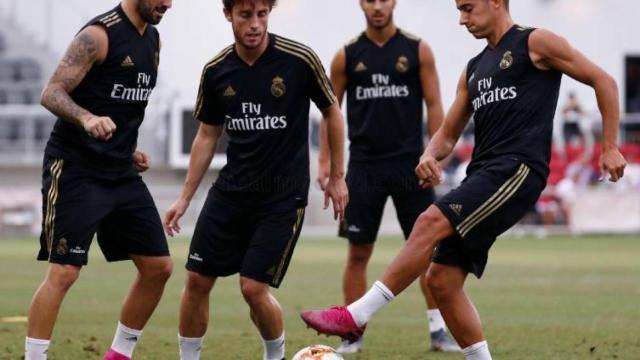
[(89, 47)]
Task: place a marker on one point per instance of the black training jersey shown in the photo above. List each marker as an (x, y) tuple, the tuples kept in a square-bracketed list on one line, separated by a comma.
[(119, 88), (384, 98), (513, 103), (265, 111)]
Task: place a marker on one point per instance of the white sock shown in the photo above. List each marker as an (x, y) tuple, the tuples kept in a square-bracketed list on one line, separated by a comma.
[(436, 322), (35, 349), (190, 348), (477, 351), (274, 349), (375, 299), (125, 340)]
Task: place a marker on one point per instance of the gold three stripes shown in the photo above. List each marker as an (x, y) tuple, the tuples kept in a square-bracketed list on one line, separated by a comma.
[(217, 59), (111, 19), (306, 54), (52, 197), (287, 254), (498, 199)]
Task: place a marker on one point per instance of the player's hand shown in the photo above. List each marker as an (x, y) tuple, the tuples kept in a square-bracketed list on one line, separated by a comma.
[(429, 171), (612, 163), (141, 161), (336, 190), (99, 127), (323, 174), (175, 212)]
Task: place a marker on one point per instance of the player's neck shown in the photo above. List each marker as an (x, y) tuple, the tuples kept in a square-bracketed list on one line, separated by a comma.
[(380, 36), (250, 56), (135, 18), (502, 27)]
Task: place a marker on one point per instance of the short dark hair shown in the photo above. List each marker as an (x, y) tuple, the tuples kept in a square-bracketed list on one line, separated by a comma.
[(229, 4)]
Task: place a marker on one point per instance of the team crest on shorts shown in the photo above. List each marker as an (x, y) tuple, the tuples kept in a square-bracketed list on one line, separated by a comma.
[(402, 66), (507, 61), (62, 248), (278, 88)]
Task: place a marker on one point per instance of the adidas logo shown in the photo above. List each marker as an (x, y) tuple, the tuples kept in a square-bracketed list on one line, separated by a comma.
[(473, 76), (229, 91), (353, 229), (457, 208), (127, 62), (361, 67)]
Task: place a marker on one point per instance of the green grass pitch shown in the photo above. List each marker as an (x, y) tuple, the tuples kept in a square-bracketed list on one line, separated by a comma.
[(557, 298)]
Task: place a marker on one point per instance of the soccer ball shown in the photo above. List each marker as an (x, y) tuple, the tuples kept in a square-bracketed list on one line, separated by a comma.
[(317, 352)]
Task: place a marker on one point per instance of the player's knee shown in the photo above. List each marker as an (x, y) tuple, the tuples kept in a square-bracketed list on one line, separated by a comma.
[(164, 270), (359, 256), (437, 282), (253, 291), (159, 271), (63, 276), (431, 226), (197, 284)]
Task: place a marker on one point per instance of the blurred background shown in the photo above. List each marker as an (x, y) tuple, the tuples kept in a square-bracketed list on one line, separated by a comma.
[(35, 33)]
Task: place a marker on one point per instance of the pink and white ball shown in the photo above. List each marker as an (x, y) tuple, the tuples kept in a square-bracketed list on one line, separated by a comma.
[(317, 352)]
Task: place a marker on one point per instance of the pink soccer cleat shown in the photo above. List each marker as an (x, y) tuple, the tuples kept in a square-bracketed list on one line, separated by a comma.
[(114, 355), (336, 321)]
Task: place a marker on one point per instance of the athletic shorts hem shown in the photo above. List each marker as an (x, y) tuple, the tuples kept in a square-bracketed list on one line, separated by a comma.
[(65, 262), (450, 216), (263, 280), (128, 256), (208, 273)]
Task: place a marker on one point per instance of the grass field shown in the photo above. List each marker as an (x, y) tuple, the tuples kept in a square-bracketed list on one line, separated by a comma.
[(557, 298)]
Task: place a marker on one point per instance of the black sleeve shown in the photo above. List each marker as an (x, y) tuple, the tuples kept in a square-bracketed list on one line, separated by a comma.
[(320, 88), (208, 109)]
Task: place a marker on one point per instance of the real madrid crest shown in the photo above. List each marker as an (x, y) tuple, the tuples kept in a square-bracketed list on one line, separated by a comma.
[(62, 247), (402, 66), (507, 60), (278, 88)]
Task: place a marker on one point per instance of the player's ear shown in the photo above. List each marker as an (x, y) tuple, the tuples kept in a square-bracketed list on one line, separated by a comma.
[(227, 14)]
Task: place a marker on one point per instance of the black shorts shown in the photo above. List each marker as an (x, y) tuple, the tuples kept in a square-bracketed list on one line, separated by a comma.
[(235, 234), (370, 184), (76, 205), (487, 203)]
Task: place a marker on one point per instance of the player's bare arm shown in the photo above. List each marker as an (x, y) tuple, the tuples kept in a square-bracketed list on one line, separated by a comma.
[(89, 47), (336, 187), (202, 151), (550, 51), (339, 80), (444, 140), (430, 88)]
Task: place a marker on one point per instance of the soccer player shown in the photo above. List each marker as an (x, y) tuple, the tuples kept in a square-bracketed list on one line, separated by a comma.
[(258, 90), (91, 180), (387, 73), (511, 89)]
